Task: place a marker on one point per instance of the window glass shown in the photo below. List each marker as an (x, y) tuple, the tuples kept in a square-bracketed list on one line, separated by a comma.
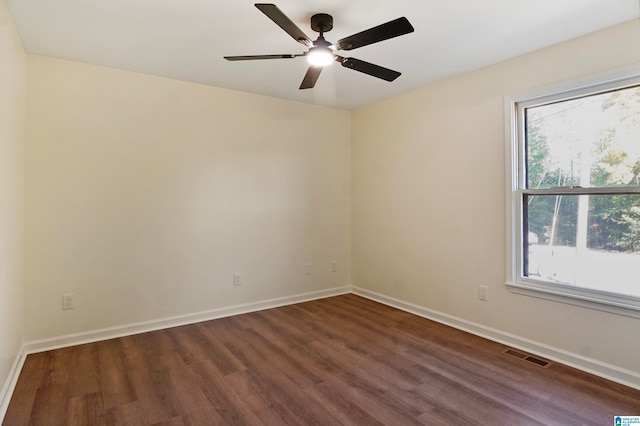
[(605, 255), (589, 141)]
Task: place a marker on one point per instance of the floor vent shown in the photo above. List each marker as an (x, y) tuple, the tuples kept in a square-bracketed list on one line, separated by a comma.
[(515, 353), (529, 358)]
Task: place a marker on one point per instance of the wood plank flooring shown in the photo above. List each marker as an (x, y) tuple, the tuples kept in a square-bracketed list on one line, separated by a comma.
[(341, 360)]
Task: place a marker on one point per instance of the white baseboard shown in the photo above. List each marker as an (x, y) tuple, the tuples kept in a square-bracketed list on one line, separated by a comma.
[(589, 365), (143, 327), (10, 383), (598, 368)]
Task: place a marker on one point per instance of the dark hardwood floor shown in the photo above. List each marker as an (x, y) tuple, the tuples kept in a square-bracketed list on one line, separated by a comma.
[(341, 360)]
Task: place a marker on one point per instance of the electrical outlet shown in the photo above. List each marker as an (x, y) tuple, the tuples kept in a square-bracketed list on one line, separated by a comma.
[(236, 279), (334, 266), (483, 292), (67, 301), (307, 269)]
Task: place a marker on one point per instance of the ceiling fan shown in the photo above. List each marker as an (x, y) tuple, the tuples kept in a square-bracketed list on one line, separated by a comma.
[(322, 53)]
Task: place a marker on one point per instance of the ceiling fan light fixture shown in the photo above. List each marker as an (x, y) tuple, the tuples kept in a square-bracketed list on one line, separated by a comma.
[(322, 53), (320, 56)]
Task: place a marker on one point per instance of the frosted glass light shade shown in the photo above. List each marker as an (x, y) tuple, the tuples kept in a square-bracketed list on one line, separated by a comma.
[(320, 56)]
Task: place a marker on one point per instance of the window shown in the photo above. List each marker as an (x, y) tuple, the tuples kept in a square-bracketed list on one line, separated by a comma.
[(574, 198)]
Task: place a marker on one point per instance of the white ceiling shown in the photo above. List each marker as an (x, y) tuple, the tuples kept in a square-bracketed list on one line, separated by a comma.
[(187, 39)]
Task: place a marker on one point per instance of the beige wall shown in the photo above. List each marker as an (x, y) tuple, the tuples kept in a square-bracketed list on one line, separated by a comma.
[(428, 171), (12, 114), (144, 195)]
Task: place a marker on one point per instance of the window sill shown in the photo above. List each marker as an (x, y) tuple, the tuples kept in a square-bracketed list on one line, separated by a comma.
[(592, 299)]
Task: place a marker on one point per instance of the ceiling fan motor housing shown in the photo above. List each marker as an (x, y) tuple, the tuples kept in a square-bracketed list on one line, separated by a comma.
[(321, 22)]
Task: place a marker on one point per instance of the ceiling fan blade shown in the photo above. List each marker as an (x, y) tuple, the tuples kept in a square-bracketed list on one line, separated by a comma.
[(368, 68), (276, 15), (388, 30), (253, 57), (311, 77)]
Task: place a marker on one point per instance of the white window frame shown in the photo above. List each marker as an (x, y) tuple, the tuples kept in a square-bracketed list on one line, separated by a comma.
[(594, 299)]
